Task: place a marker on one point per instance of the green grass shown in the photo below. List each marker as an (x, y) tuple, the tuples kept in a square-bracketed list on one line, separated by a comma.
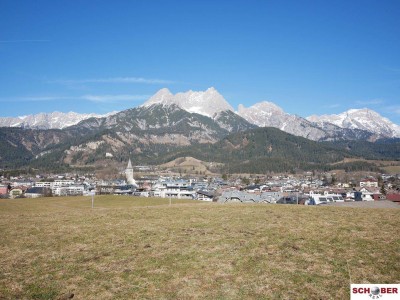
[(142, 248)]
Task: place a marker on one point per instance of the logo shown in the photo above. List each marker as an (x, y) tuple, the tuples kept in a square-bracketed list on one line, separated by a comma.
[(374, 291)]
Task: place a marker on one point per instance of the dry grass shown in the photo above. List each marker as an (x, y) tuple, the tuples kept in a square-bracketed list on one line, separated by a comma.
[(379, 163), (392, 169), (190, 165), (130, 248)]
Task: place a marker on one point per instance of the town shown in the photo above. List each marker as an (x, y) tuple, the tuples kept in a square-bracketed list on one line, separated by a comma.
[(304, 188)]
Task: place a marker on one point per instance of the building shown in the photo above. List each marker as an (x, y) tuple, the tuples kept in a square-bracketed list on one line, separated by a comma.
[(68, 190), (367, 194), (61, 187), (369, 182), (204, 195), (393, 197), (129, 174), (3, 190), (36, 192), (45, 184), (63, 182), (180, 189)]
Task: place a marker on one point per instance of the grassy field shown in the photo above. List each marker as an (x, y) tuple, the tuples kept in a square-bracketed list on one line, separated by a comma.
[(392, 169), (138, 248)]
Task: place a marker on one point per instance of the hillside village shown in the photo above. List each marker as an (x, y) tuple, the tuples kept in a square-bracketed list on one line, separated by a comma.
[(138, 181)]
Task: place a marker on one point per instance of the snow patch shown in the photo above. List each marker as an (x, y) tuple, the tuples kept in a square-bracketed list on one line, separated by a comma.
[(206, 103)]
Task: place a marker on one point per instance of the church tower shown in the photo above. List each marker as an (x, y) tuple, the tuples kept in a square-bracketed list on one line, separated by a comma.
[(129, 174)]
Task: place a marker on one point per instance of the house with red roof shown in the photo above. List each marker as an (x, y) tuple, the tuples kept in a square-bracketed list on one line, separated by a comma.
[(369, 182)]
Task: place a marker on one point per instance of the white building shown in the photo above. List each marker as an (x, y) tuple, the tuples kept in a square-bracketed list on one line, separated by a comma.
[(179, 189), (45, 184), (129, 174), (368, 195), (63, 182), (62, 187), (369, 182), (71, 190)]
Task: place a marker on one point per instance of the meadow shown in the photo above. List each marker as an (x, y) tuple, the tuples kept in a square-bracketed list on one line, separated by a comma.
[(144, 248)]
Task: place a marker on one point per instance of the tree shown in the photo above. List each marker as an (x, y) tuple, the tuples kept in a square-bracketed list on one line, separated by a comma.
[(245, 181), (383, 191), (325, 181), (380, 181)]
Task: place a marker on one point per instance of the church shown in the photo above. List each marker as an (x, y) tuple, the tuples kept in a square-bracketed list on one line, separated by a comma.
[(129, 174)]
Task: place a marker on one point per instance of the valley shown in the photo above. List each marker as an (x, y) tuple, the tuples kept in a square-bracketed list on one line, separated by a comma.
[(202, 125)]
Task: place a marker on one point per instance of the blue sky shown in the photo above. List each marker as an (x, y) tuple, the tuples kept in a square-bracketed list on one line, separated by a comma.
[(308, 57)]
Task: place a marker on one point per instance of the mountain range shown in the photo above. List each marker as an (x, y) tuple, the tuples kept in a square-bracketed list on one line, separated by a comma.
[(354, 124), (363, 119), (54, 120), (199, 124)]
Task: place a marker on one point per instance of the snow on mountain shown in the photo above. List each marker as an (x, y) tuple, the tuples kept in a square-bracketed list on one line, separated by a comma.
[(263, 114), (352, 124), (207, 103), (364, 119), (54, 120), (268, 114)]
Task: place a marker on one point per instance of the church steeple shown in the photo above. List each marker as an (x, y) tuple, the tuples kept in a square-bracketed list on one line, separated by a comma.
[(129, 165), (129, 174)]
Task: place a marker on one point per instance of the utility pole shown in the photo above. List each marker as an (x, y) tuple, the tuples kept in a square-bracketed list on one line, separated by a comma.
[(93, 198)]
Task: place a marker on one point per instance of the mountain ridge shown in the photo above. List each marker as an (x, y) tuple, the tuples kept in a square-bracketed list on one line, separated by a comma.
[(364, 118), (157, 134), (53, 120), (353, 124)]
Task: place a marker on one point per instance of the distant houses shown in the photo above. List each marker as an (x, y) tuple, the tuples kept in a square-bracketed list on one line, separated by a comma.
[(204, 188)]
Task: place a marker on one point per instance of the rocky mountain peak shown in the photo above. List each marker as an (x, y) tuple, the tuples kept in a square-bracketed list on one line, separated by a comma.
[(263, 114), (265, 107), (163, 96), (207, 103), (363, 119)]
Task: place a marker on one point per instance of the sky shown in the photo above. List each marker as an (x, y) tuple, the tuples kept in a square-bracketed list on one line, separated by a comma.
[(308, 57)]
